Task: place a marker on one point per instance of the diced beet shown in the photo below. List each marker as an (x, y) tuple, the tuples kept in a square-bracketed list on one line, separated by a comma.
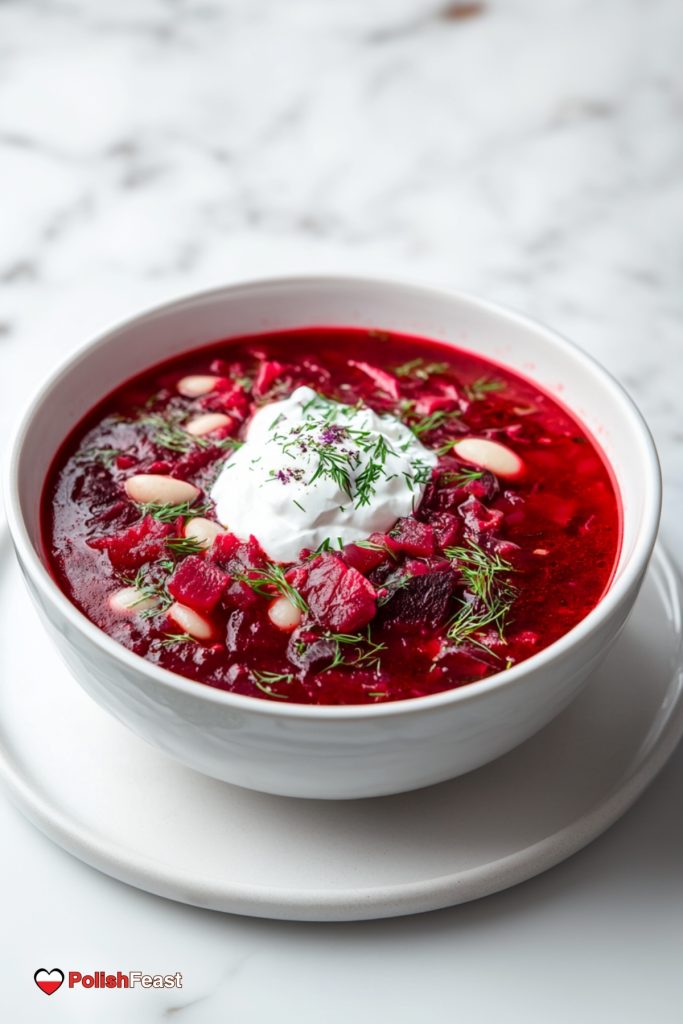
[(365, 559), (197, 458), (229, 397), (125, 461), (239, 594), (309, 651), (507, 549), (338, 596), (197, 583), (235, 555), (142, 542), (413, 537), (224, 548), (160, 466), (386, 382), (268, 372), (447, 529), (426, 405), (478, 519), (414, 567), (420, 566), (121, 510), (424, 602)]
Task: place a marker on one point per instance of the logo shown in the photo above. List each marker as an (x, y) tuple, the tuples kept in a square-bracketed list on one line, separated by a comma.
[(49, 981)]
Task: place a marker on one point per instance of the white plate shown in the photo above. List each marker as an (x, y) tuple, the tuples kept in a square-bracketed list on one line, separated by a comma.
[(121, 806)]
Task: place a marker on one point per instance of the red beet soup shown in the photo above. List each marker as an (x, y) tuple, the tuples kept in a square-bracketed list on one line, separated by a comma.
[(331, 516)]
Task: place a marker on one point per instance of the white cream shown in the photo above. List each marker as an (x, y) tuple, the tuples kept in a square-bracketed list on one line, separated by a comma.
[(289, 483)]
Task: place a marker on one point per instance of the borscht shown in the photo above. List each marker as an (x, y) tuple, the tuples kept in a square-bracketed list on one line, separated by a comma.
[(331, 516)]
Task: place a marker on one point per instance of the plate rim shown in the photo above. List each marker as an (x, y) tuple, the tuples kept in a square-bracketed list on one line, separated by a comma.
[(325, 905)]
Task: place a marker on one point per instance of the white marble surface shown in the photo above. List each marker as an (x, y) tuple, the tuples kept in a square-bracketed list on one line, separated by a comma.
[(530, 151)]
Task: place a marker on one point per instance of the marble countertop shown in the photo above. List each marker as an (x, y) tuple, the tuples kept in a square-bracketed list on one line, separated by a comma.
[(527, 151)]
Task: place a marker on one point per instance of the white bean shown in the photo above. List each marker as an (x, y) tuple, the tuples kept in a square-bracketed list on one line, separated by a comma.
[(491, 455), (146, 488), (129, 600), (204, 531), (190, 621), (283, 614), (207, 423), (196, 384)]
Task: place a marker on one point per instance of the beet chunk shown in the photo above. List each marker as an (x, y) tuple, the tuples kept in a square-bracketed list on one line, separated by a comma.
[(413, 537), (386, 382), (338, 596), (197, 583), (447, 529), (479, 520), (268, 372), (309, 651), (142, 542), (365, 559), (423, 602), (235, 557)]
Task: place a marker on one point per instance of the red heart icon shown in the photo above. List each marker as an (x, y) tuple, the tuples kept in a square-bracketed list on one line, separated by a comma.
[(49, 981)]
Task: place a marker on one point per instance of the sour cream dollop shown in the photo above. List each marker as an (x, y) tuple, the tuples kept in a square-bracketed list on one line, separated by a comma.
[(312, 470)]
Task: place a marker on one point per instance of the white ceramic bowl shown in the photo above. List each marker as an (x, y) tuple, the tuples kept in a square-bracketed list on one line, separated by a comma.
[(334, 752)]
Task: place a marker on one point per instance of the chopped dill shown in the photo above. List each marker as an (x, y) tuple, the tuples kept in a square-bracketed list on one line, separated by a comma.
[(264, 681), (419, 369), (366, 653), (354, 458), (167, 513), (391, 586), (264, 581), (149, 587), (481, 387), (105, 456), (460, 477), (182, 546), (178, 638), (432, 422), (489, 593), (168, 433)]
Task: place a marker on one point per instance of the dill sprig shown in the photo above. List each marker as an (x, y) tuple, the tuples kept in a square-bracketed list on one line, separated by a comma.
[(432, 422), (459, 477), (372, 545), (334, 464), (371, 472), (325, 547), (177, 638), (420, 369), (182, 546), (167, 513), (365, 652), (481, 387), (491, 595), (148, 586), (264, 581), (104, 456), (168, 433), (392, 585), (265, 681)]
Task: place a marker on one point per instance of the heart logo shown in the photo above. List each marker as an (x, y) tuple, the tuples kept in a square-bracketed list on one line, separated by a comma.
[(49, 981)]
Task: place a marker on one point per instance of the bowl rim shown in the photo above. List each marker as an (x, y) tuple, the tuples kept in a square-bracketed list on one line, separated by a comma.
[(110, 648)]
